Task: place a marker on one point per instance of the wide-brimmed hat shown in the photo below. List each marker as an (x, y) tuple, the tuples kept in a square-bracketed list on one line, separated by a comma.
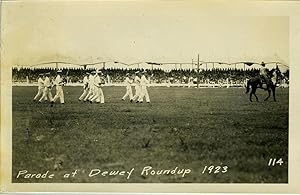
[(99, 72)]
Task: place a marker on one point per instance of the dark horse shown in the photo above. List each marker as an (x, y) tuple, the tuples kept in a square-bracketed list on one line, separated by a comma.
[(256, 82)]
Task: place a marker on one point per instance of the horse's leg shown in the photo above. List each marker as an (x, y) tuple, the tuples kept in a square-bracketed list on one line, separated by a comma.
[(273, 90), (269, 93), (254, 93), (256, 97), (251, 94)]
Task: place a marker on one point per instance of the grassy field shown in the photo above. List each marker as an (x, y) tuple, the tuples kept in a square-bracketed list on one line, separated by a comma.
[(182, 127)]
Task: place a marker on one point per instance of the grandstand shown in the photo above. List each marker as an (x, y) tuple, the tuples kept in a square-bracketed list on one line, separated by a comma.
[(182, 74)]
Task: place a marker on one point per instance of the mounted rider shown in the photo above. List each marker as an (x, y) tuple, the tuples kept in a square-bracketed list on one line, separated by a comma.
[(263, 73)]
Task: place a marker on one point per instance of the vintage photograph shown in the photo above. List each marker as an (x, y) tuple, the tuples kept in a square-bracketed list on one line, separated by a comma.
[(102, 94)]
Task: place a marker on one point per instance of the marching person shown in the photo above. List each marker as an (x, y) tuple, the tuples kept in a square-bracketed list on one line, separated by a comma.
[(137, 86), (190, 82), (90, 87), (128, 83), (144, 92), (85, 86), (183, 81), (40, 87), (263, 72), (47, 89), (98, 81), (59, 89)]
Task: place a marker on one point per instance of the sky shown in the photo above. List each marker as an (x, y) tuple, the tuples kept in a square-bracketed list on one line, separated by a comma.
[(77, 32)]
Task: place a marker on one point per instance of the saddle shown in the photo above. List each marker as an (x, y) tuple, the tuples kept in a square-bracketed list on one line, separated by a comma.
[(264, 81), (267, 81)]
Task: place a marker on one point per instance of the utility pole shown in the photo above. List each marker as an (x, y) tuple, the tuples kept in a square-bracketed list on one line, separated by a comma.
[(198, 76), (181, 73), (192, 64), (103, 65), (244, 71)]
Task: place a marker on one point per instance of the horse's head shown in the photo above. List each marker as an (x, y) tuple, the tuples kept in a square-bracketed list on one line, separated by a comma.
[(274, 75), (271, 73), (278, 75), (278, 72)]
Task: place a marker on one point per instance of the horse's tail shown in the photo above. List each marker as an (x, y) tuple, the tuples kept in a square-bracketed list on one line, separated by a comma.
[(248, 86)]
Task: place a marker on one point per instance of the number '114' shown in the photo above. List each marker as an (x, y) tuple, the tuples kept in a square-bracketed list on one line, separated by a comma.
[(274, 161)]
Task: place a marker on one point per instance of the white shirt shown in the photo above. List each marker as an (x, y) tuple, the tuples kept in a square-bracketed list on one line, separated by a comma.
[(137, 80), (128, 81), (263, 71), (97, 81), (40, 83), (91, 81), (274, 78), (85, 81), (47, 82), (144, 81), (108, 78), (58, 80)]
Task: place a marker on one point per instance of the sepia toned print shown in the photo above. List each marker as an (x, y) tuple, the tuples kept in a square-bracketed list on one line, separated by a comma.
[(105, 97)]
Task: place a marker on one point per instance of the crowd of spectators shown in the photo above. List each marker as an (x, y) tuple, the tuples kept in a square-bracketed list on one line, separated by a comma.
[(116, 75)]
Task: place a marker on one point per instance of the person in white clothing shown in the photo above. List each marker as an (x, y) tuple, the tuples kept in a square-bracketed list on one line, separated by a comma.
[(47, 89), (128, 83), (144, 82), (137, 86), (91, 87), (190, 82), (263, 73), (85, 86), (59, 89), (40, 87), (98, 81)]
